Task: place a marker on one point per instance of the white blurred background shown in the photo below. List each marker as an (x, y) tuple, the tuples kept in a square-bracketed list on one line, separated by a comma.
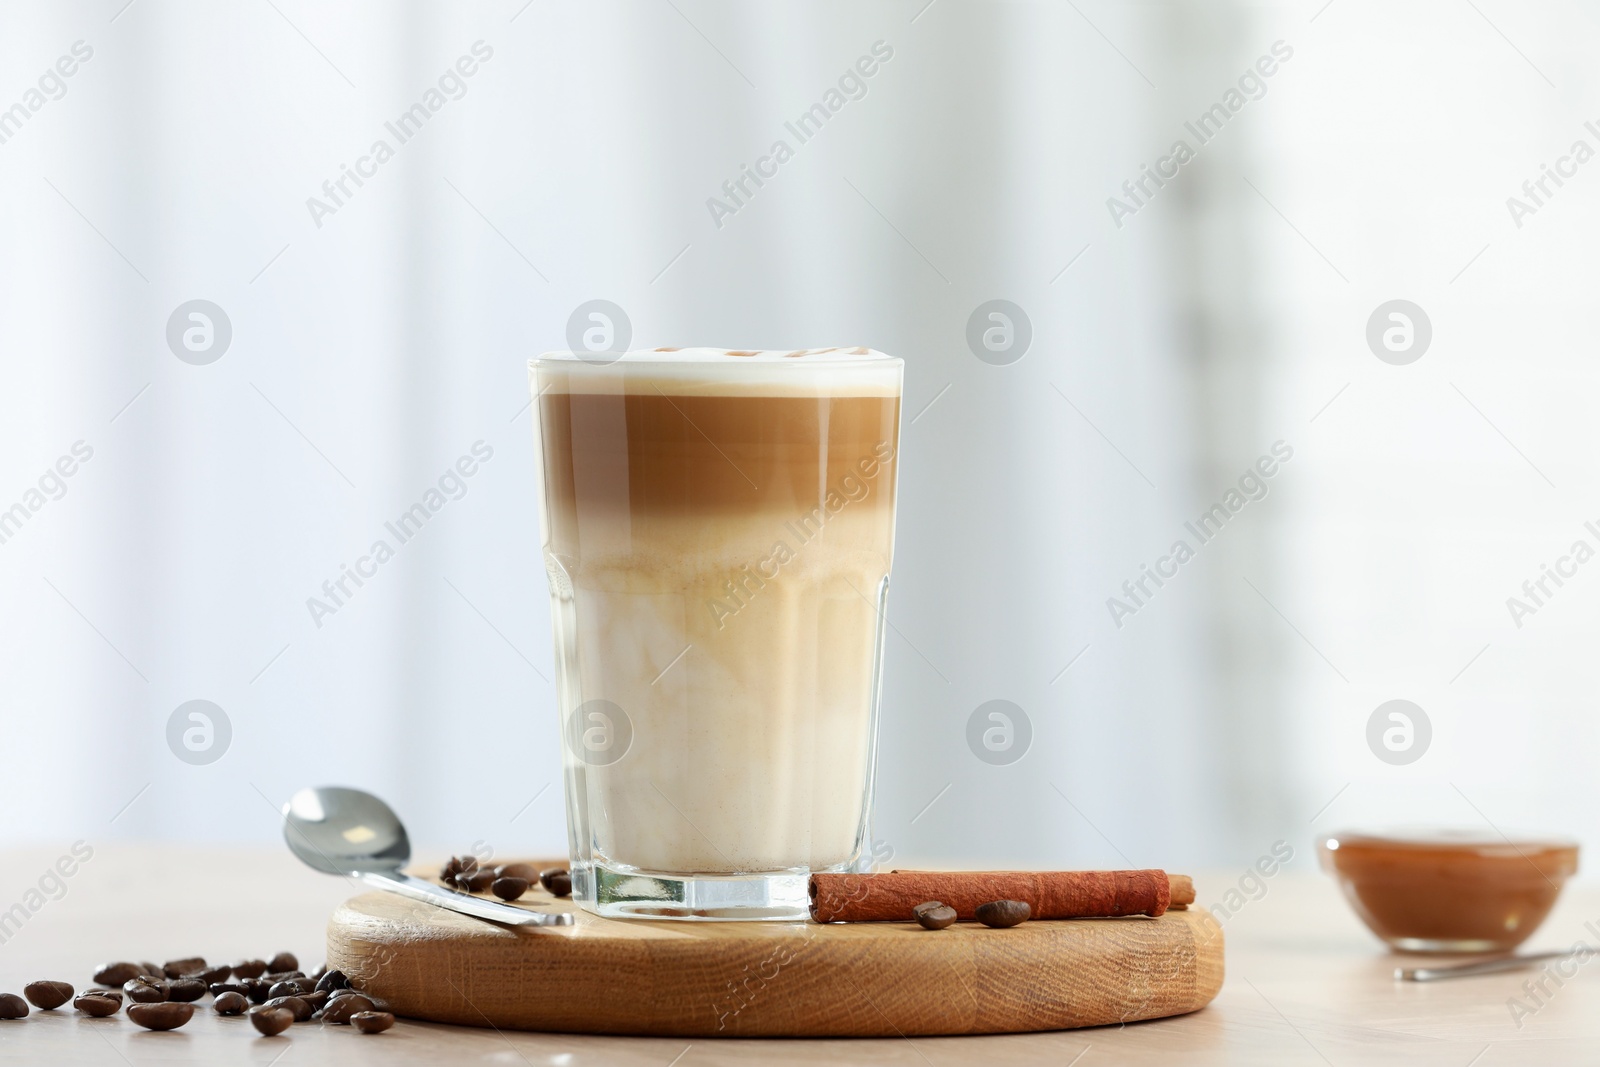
[(1227, 313)]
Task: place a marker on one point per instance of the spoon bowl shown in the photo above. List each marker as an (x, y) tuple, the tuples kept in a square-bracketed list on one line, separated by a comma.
[(337, 830)]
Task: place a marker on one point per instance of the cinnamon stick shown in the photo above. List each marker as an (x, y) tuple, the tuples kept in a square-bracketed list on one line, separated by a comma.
[(1050, 894)]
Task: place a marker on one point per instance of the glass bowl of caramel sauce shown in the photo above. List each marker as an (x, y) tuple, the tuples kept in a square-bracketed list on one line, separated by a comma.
[(1439, 890)]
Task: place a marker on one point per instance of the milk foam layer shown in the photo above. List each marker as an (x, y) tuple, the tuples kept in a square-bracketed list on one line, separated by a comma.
[(724, 372)]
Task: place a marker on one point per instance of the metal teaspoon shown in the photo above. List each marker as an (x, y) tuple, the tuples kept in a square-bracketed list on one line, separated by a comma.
[(348, 832)]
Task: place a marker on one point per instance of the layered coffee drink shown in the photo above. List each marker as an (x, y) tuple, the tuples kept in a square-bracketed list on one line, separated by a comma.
[(719, 528)]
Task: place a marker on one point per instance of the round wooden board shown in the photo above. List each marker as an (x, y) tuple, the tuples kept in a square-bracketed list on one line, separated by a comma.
[(763, 979)]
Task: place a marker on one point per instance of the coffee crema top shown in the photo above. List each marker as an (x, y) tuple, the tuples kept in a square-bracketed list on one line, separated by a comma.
[(722, 372)]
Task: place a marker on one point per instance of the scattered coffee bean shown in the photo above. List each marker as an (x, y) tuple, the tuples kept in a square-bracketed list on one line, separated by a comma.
[(300, 1009), (151, 969), (181, 968), (340, 1009), (509, 887), (47, 995), (1002, 913), (12, 1006), (321, 969), (372, 1022), (316, 998), (146, 989), (230, 1003), (457, 865), (246, 969), (283, 961), (257, 989), (216, 989), (557, 880), (477, 882), (185, 990), (166, 1016), (526, 871), (212, 975), (271, 1021), (331, 980), (937, 917), (116, 973), (98, 1004), (287, 988), (926, 905)]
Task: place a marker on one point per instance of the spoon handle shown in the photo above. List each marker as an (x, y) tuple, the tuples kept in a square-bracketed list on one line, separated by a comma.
[(1464, 970), (428, 893)]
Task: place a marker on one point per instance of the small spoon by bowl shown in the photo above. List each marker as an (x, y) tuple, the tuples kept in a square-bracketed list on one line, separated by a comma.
[(346, 831), (1492, 965)]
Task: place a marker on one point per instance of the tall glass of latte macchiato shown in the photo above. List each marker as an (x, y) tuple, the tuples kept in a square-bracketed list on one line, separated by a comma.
[(718, 529)]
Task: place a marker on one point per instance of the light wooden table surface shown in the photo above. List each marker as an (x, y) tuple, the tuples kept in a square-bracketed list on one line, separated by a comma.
[(1306, 985)]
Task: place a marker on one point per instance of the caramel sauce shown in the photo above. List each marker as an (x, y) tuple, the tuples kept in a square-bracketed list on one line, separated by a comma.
[(1443, 891)]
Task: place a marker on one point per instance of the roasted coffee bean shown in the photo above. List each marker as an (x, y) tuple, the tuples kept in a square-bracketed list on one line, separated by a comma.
[(316, 998), (926, 905), (47, 995), (299, 1008), (184, 967), (283, 961), (116, 973), (937, 917), (216, 989), (457, 865), (185, 990), (331, 980), (320, 970), (246, 969), (271, 1021), (478, 881), (557, 880), (12, 1006), (230, 1003), (257, 989), (151, 969), (212, 975), (274, 977), (98, 1004), (526, 871), (283, 989), (340, 1009), (509, 888), (372, 1022), (146, 989), (167, 1016), (1002, 913)]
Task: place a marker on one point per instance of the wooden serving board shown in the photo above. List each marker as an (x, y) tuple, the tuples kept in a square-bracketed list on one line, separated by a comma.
[(765, 979)]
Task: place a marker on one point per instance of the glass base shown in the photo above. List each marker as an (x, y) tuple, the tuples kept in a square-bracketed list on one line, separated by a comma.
[(624, 893), (1433, 944)]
